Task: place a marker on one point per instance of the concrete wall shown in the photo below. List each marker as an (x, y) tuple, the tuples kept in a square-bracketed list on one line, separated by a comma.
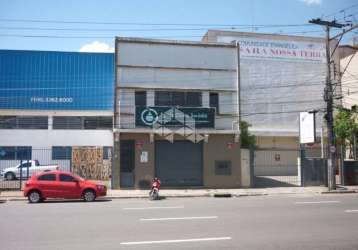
[(267, 104), (269, 142), (349, 80), (45, 139), (215, 149), (159, 53)]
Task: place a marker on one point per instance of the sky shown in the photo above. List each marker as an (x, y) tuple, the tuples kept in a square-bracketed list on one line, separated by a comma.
[(89, 25)]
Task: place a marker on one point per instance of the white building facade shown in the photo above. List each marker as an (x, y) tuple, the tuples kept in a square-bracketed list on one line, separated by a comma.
[(177, 106)]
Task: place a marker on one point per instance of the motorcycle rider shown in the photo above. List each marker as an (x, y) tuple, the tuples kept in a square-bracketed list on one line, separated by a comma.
[(154, 192), (156, 183)]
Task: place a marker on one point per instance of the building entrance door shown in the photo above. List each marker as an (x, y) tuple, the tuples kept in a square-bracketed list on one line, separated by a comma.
[(127, 161)]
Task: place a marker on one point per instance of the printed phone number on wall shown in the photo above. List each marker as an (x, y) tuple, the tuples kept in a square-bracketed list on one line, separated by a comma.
[(51, 99)]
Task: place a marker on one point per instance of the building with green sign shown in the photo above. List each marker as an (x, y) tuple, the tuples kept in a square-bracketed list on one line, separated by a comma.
[(176, 114)]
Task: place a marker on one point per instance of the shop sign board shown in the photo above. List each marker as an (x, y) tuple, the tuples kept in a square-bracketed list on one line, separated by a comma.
[(175, 117)]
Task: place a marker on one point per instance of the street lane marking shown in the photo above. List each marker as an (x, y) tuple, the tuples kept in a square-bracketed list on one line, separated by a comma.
[(315, 202), (174, 241), (352, 211), (142, 208), (181, 218)]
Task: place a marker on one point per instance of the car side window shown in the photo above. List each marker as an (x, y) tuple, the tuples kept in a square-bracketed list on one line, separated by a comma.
[(67, 178), (47, 177), (25, 165)]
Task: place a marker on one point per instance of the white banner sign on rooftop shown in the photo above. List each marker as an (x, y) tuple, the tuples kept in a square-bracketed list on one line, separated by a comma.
[(278, 49)]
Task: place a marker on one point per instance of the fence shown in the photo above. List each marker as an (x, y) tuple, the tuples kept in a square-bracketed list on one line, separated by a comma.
[(276, 167), (88, 162), (283, 168)]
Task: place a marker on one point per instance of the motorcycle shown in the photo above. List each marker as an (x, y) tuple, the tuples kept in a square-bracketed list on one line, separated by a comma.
[(154, 192)]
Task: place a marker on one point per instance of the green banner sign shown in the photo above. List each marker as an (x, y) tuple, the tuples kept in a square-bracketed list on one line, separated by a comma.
[(175, 117)]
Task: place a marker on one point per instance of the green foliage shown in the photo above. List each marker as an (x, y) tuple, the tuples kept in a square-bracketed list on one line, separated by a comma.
[(247, 140), (345, 125)]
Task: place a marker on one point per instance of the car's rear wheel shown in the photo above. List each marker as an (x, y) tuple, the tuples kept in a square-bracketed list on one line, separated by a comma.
[(89, 195), (34, 197), (10, 176)]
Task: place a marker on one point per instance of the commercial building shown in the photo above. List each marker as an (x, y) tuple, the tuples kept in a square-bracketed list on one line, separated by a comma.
[(57, 107), (177, 110), (349, 76), (281, 76)]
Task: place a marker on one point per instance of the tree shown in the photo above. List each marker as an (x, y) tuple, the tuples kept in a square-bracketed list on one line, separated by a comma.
[(247, 140), (345, 127)]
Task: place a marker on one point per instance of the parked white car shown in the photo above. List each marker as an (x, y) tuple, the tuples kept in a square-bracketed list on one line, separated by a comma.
[(28, 169)]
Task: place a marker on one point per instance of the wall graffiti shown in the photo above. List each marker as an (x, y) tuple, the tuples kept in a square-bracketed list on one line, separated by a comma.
[(89, 163)]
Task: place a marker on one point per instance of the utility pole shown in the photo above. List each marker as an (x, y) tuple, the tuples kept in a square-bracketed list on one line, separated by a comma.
[(328, 97)]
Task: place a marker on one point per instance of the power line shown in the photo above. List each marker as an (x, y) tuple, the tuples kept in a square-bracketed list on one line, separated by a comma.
[(148, 29), (341, 11), (149, 24)]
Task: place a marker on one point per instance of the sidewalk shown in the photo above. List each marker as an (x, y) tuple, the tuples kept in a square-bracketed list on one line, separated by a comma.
[(117, 194)]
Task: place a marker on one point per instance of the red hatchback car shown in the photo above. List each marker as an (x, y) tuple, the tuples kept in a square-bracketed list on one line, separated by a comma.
[(60, 184)]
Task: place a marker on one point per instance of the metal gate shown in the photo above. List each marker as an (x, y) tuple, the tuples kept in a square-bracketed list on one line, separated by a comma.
[(179, 163), (276, 168)]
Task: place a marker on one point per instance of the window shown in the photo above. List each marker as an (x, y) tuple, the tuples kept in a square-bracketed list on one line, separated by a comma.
[(67, 122), (98, 122), (23, 153), (182, 99), (32, 122), (7, 153), (15, 153), (223, 167), (67, 178), (23, 122), (140, 98), (61, 153), (47, 177), (214, 101), (82, 122), (107, 151), (7, 122), (177, 99), (193, 99), (162, 98)]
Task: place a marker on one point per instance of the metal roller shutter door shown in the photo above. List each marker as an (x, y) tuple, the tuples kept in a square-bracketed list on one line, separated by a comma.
[(179, 163)]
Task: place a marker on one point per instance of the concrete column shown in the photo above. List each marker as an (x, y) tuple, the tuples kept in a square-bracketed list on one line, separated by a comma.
[(150, 98), (50, 122), (245, 168), (206, 97), (115, 181)]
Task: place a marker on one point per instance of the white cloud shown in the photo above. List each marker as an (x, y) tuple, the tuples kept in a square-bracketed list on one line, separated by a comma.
[(97, 46), (312, 2)]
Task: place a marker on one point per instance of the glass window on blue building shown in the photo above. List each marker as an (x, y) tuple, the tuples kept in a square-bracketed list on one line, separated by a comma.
[(47, 80)]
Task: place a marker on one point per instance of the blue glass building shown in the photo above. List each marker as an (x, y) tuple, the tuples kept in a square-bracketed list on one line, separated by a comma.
[(46, 80)]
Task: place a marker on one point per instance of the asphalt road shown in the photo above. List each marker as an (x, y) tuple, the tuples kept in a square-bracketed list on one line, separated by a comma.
[(273, 222)]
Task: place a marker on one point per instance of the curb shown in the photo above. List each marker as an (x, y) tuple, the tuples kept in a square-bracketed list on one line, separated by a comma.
[(214, 195), (340, 192)]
